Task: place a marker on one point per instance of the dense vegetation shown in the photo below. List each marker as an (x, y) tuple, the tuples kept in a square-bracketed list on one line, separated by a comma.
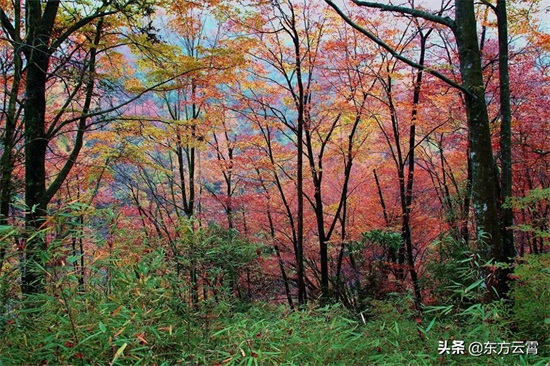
[(274, 182), (132, 312)]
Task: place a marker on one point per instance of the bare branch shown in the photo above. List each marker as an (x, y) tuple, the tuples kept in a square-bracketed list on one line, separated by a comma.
[(491, 6), (132, 99), (8, 27), (396, 54), (405, 10)]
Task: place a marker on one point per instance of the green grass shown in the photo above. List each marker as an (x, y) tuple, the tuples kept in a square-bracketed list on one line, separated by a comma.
[(138, 314), (110, 332)]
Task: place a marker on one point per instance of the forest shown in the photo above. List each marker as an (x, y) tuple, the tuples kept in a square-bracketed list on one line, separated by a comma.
[(274, 182)]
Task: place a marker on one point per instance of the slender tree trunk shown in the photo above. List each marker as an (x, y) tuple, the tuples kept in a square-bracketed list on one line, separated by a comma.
[(410, 178), (343, 239), (266, 133), (279, 258), (392, 253), (507, 219), (301, 106), (302, 296), (318, 207), (7, 160)]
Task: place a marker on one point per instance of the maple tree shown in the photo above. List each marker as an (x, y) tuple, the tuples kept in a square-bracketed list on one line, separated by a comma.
[(484, 189), (284, 24), (174, 126), (405, 163), (184, 205), (296, 82), (10, 134), (172, 161), (50, 31)]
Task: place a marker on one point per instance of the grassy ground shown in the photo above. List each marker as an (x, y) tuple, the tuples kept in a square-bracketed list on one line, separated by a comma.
[(112, 333), (140, 317)]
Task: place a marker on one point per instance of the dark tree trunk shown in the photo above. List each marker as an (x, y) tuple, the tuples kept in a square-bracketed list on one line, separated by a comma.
[(484, 192), (410, 178), (266, 133), (11, 117), (300, 101), (318, 207), (507, 218), (38, 53), (300, 273)]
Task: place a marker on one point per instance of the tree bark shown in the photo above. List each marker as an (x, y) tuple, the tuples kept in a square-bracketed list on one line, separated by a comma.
[(38, 53), (11, 117), (484, 193), (507, 218)]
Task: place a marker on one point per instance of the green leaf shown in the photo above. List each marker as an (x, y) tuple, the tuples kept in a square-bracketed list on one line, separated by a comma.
[(90, 337), (396, 327), (474, 285), (119, 352), (72, 259), (430, 326)]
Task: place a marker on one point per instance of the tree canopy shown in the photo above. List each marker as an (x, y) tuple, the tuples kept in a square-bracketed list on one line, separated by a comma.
[(290, 151)]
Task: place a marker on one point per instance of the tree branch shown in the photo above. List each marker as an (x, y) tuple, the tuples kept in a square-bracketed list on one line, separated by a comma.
[(396, 54), (76, 26), (79, 140), (405, 10), (8, 27), (48, 17), (132, 99), (491, 6)]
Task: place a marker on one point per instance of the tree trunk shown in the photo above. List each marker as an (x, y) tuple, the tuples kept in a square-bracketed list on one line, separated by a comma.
[(301, 110), (7, 160), (410, 179), (507, 218), (302, 297), (484, 193), (38, 59)]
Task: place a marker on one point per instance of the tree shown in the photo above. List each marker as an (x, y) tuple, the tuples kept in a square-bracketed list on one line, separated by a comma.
[(282, 27), (484, 187), (507, 213), (404, 160), (37, 49), (41, 39), (11, 133), (225, 146)]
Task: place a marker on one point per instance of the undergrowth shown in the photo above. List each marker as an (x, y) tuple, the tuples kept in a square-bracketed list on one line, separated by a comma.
[(129, 309), (139, 320)]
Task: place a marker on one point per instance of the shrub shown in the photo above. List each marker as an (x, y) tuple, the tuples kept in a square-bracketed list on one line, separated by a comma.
[(531, 295)]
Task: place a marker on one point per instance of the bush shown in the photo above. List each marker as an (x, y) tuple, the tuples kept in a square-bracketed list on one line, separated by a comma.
[(531, 295), (131, 323)]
